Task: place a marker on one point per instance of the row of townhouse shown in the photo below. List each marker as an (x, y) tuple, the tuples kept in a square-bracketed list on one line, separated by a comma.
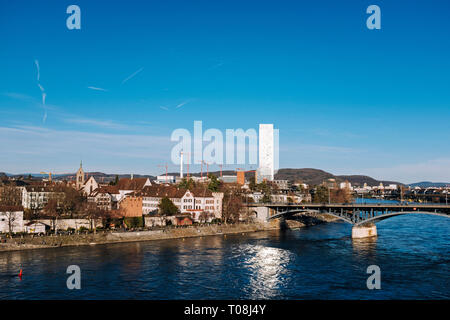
[(193, 202), (109, 197)]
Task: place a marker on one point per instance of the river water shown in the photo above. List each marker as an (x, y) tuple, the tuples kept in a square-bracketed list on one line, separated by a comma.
[(319, 262)]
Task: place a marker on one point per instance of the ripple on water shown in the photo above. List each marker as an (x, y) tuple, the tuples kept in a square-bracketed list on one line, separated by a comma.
[(320, 262)]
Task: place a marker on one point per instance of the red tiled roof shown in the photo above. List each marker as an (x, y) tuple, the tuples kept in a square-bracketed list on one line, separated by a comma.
[(201, 192), (42, 188), (131, 184), (161, 191), (106, 189)]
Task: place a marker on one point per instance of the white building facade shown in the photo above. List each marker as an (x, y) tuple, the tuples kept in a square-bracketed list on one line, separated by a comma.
[(11, 219), (36, 197), (266, 170), (194, 202)]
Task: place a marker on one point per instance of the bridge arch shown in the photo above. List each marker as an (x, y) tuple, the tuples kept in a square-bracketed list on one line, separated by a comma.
[(374, 219), (292, 212), (399, 213)]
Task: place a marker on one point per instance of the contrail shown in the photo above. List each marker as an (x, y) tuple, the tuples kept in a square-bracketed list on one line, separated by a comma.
[(37, 66), (164, 108), (181, 104), (96, 88), (44, 95), (125, 80)]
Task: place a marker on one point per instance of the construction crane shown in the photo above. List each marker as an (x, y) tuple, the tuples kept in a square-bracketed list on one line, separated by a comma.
[(49, 175), (207, 168), (201, 170), (164, 166), (52, 174)]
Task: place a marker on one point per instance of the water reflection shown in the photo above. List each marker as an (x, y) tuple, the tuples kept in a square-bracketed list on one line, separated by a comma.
[(365, 246), (320, 262), (268, 271)]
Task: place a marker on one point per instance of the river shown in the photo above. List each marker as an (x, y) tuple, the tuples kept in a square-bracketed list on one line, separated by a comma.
[(319, 262)]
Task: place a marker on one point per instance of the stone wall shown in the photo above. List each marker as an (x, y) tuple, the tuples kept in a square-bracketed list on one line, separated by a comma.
[(35, 242), (64, 224)]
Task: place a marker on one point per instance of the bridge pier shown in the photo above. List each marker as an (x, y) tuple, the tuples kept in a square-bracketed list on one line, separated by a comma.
[(359, 232), (262, 213)]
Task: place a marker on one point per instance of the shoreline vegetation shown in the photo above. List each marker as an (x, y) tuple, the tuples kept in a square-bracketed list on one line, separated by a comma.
[(110, 237)]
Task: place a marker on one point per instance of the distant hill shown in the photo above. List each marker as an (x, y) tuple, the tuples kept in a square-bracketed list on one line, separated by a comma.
[(306, 175), (428, 184), (103, 177), (315, 177), (99, 176), (360, 180)]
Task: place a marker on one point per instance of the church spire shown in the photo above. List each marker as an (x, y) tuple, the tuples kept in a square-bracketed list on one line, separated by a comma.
[(80, 177)]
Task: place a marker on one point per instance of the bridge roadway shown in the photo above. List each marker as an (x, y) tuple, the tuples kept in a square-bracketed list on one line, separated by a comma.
[(358, 214)]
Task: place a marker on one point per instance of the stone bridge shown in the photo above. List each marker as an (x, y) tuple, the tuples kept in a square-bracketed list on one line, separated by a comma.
[(362, 216)]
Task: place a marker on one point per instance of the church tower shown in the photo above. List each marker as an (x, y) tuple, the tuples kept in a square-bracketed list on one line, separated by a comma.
[(80, 177)]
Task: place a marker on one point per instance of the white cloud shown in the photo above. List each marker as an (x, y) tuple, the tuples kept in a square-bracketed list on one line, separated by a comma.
[(96, 123), (50, 147)]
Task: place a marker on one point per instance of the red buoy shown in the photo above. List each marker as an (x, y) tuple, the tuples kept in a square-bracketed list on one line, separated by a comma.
[(20, 273)]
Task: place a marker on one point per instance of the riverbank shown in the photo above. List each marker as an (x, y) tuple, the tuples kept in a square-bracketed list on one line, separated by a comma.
[(52, 241)]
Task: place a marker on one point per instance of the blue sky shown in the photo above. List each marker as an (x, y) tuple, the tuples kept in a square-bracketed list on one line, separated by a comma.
[(346, 99)]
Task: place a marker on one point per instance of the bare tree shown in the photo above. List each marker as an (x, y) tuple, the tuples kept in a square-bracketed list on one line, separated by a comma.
[(232, 205), (93, 213), (10, 213), (10, 196), (205, 216), (52, 210), (72, 201)]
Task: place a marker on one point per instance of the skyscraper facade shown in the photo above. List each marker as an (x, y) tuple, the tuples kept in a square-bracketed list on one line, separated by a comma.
[(266, 152)]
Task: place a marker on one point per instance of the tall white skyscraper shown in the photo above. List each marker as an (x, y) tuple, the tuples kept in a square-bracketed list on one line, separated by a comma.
[(266, 152)]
